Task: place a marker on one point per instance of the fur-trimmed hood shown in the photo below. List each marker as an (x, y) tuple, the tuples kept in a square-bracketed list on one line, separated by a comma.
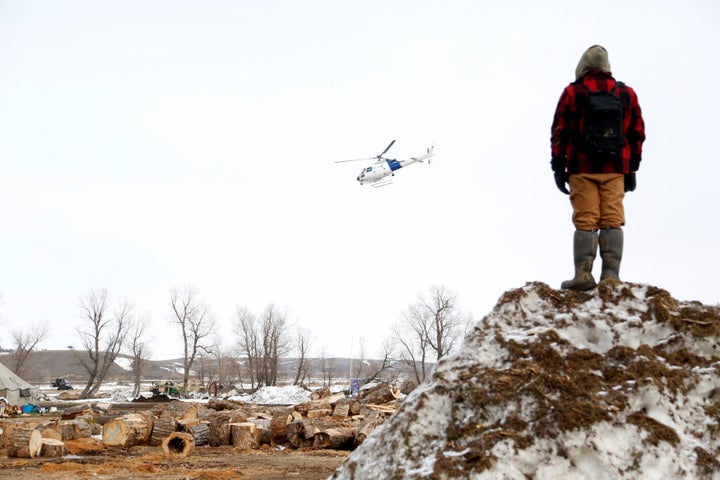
[(594, 58)]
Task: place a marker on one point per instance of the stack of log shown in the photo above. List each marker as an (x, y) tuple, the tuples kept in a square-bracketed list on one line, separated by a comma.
[(46, 438), (328, 420), (337, 422)]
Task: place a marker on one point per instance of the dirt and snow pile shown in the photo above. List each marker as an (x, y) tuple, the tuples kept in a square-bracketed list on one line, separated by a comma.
[(622, 382)]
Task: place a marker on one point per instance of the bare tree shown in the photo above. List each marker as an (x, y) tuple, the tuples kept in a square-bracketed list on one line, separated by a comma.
[(430, 329), (388, 362), (139, 350), (440, 310), (327, 366), (195, 322), (302, 345), (263, 341), (218, 366), (274, 341), (245, 328), (25, 342), (102, 337)]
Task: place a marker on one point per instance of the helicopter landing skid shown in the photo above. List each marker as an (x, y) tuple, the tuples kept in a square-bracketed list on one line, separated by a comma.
[(381, 183)]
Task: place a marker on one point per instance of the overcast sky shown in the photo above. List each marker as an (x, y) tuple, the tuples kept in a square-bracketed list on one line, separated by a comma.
[(148, 145)]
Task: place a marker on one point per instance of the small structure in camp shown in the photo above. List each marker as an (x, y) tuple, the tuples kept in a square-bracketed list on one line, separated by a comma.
[(16, 390)]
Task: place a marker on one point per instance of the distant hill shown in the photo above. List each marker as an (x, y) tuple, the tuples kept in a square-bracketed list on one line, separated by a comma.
[(43, 367)]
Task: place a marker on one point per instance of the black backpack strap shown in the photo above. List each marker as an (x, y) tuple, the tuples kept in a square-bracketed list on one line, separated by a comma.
[(623, 95)]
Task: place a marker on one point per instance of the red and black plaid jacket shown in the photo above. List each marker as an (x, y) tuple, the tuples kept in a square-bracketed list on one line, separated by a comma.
[(567, 154)]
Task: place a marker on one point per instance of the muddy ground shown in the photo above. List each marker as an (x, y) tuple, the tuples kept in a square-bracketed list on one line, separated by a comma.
[(203, 463)]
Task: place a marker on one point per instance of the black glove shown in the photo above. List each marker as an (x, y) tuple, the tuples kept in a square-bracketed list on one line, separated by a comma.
[(561, 179), (630, 182)]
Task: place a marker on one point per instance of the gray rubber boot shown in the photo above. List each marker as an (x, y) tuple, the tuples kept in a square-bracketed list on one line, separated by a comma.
[(611, 250), (584, 249)]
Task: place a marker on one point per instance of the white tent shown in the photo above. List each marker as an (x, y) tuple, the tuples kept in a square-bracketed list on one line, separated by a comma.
[(14, 389)]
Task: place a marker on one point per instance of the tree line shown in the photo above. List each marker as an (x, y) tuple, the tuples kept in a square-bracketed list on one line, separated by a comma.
[(430, 328)]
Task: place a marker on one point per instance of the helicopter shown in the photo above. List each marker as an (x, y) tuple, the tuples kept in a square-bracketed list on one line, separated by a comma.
[(381, 172)]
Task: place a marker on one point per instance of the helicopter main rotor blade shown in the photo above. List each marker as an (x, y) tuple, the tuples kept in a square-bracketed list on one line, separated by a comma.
[(356, 160), (388, 148)]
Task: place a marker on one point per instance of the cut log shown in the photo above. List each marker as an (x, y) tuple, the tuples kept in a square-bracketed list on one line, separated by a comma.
[(341, 410), (51, 432), (178, 443), (279, 427), (184, 424), (297, 435), (352, 404), (265, 437), (162, 427), (319, 413), (7, 431), (128, 430), (245, 435), (382, 393), (371, 422), (220, 405), (200, 433), (74, 429), (322, 403), (388, 408), (323, 392), (72, 412), (220, 428), (24, 442), (190, 412), (52, 447), (340, 438)]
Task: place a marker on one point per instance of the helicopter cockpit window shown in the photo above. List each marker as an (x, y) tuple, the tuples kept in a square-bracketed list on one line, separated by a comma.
[(368, 169)]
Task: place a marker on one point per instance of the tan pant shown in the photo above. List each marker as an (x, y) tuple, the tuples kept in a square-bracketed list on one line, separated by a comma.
[(597, 200)]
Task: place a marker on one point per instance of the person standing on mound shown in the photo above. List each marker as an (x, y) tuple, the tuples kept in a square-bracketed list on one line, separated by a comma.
[(596, 143)]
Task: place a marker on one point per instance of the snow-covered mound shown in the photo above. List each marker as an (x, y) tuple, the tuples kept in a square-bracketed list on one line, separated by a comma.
[(622, 382), (290, 395)]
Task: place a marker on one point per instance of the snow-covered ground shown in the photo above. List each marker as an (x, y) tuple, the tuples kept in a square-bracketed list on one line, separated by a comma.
[(281, 395), (619, 383)]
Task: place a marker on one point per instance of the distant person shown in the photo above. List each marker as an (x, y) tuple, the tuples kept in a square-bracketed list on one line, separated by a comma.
[(596, 143)]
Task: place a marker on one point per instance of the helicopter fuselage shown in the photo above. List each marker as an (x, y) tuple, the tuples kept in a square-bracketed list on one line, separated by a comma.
[(378, 171)]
